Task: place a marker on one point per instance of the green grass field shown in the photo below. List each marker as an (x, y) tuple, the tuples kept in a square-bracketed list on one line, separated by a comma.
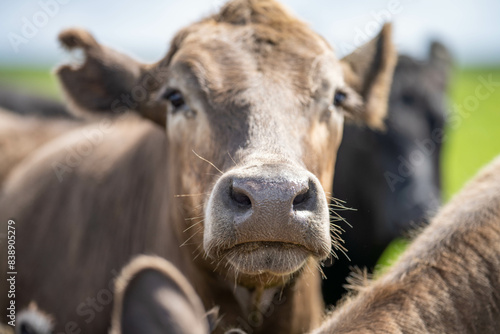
[(472, 140), (475, 141), (37, 80)]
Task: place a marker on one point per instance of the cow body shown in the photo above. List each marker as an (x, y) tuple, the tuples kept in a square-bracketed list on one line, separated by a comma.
[(89, 229), (27, 104), (22, 135), (27, 122)]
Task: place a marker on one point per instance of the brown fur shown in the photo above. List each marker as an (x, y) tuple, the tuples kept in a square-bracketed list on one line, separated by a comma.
[(22, 135), (81, 244), (259, 87), (5, 329), (447, 281)]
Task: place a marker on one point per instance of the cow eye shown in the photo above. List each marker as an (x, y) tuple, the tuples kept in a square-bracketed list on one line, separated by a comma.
[(408, 99), (339, 98), (175, 98)]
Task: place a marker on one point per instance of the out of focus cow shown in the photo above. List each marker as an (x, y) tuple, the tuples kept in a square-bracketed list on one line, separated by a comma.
[(391, 178), (25, 103)]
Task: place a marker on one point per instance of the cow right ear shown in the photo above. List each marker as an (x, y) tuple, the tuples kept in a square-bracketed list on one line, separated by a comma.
[(368, 75), (108, 82), (152, 296), (440, 64)]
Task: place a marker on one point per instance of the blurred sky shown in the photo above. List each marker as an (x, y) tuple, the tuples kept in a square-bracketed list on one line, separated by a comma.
[(470, 29)]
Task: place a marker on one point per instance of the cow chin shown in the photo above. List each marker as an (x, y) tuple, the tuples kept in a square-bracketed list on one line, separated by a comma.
[(266, 264)]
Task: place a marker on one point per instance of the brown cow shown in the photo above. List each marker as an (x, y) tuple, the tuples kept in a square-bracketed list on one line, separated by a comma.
[(448, 281), (255, 109)]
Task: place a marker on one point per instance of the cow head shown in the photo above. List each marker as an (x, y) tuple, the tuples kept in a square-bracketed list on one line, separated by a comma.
[(254, 104)]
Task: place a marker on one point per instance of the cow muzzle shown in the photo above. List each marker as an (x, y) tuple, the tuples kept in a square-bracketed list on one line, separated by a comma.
[(267, 219)]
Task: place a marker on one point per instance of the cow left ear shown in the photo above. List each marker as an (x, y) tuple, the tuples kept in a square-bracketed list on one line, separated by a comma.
[(108, 82), (368, 75)]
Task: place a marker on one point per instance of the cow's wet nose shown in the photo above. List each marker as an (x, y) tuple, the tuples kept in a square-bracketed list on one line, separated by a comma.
[(264, 204), (262, 194), (270, 203)]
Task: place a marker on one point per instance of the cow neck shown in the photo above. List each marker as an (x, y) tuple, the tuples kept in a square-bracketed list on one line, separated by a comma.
[(251, 300)]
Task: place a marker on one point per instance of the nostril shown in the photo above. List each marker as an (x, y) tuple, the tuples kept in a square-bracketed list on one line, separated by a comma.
[(239, 197), (301, 198)]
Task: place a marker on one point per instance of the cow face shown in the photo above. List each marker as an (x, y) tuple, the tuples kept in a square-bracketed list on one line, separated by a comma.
[(255, 103), (258, 112)]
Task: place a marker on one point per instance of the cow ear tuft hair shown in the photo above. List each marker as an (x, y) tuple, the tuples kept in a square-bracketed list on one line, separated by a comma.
[(107, 82), (368, 72), (213, 318)]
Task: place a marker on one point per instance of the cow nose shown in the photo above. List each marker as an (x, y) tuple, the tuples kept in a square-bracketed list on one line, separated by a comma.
[(268, 205), (256, 194)]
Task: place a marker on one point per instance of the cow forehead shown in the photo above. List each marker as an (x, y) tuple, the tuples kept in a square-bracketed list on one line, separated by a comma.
[(227, 60)]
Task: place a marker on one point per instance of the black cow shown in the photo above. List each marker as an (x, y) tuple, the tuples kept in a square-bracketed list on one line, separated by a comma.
[(391, 178)]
